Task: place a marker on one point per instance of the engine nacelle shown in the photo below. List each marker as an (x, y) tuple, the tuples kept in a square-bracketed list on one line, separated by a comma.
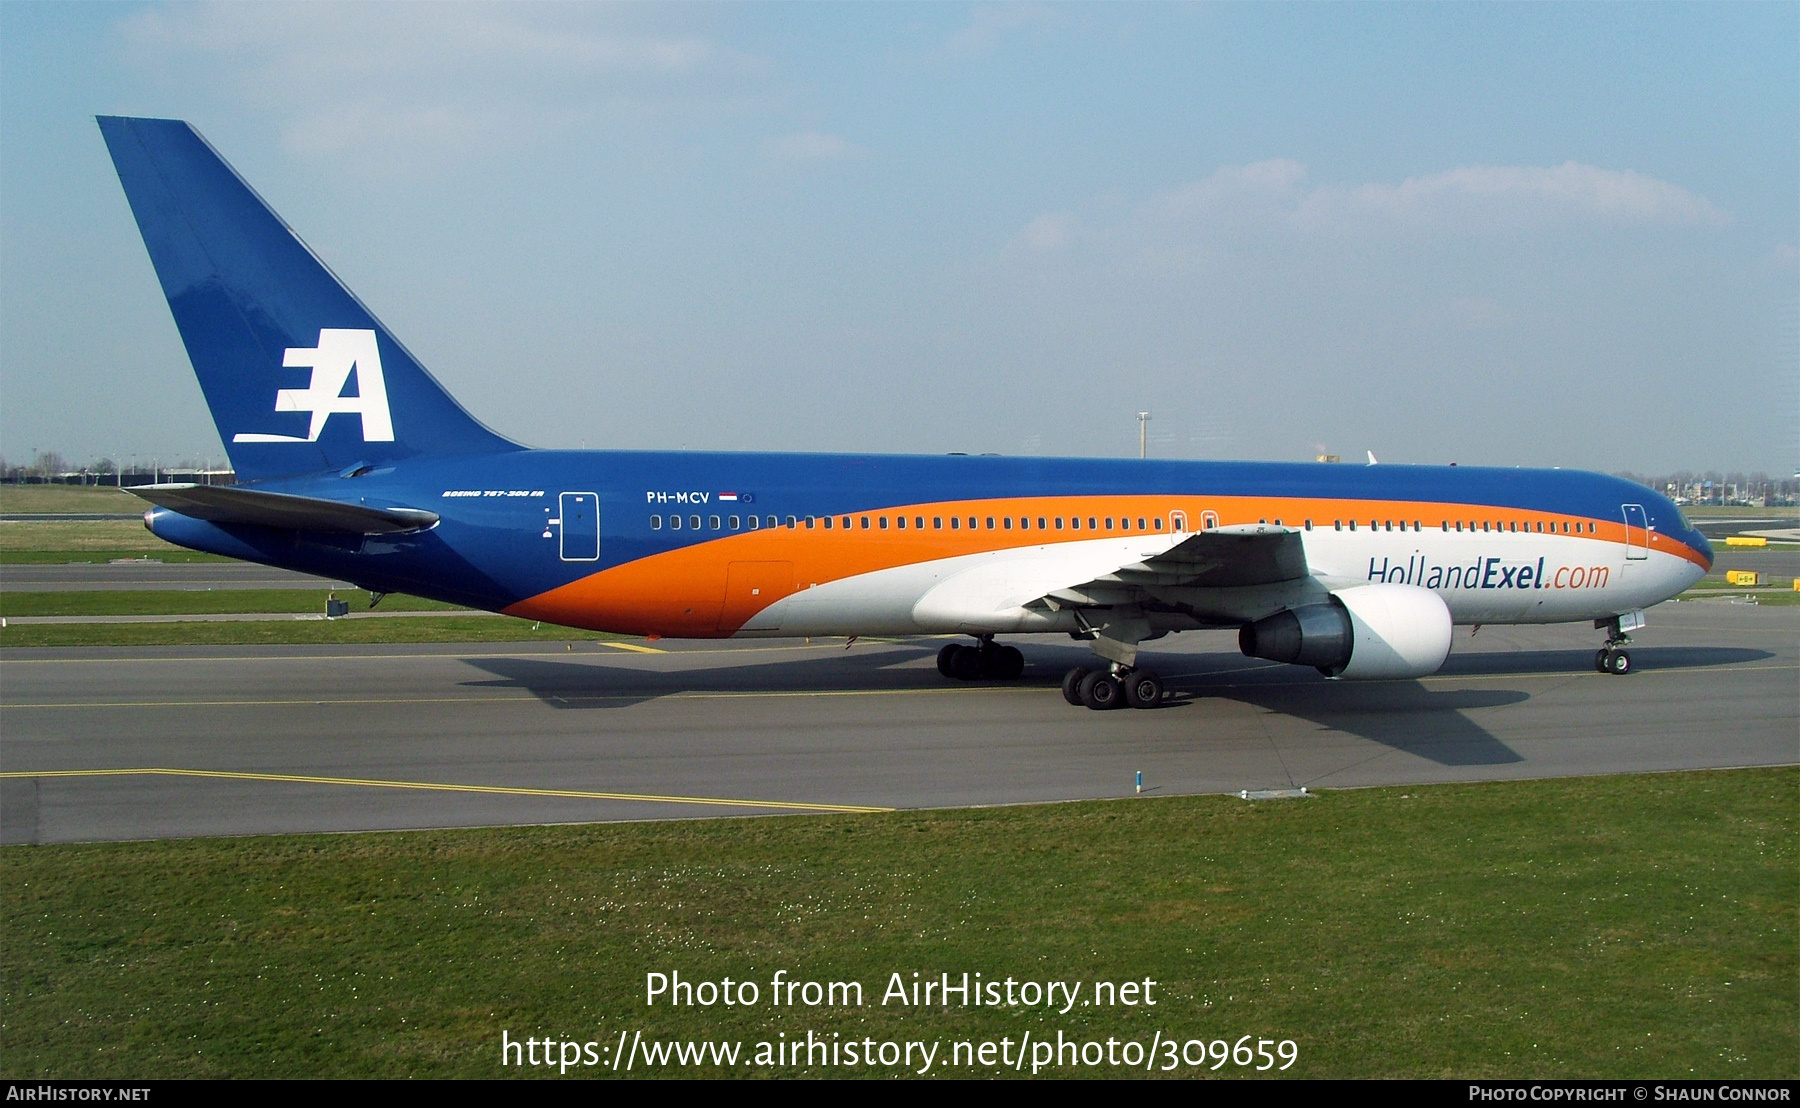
[(1367, 631)]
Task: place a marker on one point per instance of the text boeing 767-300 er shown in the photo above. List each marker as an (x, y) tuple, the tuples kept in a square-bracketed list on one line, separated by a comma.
[(354, 463)]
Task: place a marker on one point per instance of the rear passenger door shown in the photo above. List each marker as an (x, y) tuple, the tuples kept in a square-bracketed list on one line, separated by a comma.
[(580, 526)]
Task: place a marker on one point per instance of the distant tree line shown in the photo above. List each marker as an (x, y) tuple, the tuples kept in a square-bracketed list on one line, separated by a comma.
[(50, 468)]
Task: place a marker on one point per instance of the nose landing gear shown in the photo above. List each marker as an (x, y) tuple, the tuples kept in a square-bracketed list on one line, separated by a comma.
[(1613, 658)]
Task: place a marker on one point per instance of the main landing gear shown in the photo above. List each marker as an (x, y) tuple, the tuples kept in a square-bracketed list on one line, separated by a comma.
[(1111, 687), (973, 663)]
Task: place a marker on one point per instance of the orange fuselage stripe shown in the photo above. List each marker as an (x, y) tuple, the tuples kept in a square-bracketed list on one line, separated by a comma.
[(683, 592)]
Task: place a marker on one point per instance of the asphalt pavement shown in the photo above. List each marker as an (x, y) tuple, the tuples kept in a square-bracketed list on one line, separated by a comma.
[(125, 743)]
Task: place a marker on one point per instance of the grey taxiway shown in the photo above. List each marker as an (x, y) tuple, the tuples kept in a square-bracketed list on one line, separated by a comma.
[(133, 743)]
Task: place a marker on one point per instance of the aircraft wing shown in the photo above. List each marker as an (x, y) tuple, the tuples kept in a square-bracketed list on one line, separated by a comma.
[(1223, 557), (229, 504), (1119, 572)]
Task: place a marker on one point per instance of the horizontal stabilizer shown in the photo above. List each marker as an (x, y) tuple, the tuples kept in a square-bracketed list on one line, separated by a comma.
[(229, 504)]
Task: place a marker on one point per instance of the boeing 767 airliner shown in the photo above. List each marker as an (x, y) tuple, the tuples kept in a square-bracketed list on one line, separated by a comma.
[(354, 463)]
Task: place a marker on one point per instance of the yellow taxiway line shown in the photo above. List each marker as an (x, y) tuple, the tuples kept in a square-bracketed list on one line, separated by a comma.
[(496, 790)]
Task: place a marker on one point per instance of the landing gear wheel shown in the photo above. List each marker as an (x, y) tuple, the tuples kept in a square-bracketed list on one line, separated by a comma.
[(965, 664), (1143, 689), (1100, 691), (1618, 663), (946, 657), (1601, 658), (1009, 663), (1072, 685)]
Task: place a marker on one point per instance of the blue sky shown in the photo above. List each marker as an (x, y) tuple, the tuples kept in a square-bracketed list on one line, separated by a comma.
[(1504, 234)]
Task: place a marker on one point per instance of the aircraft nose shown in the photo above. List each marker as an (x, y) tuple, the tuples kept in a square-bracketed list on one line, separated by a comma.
[(1705, 549)]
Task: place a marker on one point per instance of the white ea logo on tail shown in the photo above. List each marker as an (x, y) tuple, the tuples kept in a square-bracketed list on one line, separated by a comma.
[(339, 353)]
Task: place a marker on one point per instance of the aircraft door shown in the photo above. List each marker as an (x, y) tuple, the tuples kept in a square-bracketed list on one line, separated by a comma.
[(580, 526), (1637, 532), (1178, 521), (1208, 520)]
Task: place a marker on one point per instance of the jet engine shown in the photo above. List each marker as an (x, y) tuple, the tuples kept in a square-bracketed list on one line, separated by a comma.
[(1367, 631)]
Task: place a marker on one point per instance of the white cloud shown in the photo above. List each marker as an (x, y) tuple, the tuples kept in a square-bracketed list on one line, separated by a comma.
[(991, 22), (399, 81), (1465, 200), (1051, 231), (812, 147)]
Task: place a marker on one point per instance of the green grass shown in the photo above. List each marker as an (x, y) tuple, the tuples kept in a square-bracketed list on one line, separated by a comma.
[(119, 538), (1710, 511), (211, 601), (66, 499), (1631, 926)]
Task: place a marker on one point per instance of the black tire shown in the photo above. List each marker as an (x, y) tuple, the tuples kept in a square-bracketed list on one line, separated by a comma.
[(1619, 664), (1143, 689), (946, 656), (965, 664), (1072, 684), (1100, 691), (990, 662), (1601, 660), (1008, 663)]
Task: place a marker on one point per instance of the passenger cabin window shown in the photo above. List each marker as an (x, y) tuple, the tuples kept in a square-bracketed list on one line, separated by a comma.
[(1059, 521), (900, 522), (1353, 525), (990, 521), (1309, 525), (827, 523), (1091, 526), (884, 523), (792, 522), (955, 522), (694, 523), (1006, 522), (736, 524), (655, 523), (1041, 523), (714, 520), (865, 523), (1158, 521), (1109, 525), (846, 523), (755, 522), (937, 523), (919, 522), (674, 523)]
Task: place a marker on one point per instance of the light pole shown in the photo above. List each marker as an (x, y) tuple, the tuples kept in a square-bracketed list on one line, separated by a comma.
[(1143, 434)]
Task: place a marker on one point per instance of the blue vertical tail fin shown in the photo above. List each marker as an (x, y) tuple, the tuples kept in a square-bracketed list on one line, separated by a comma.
[(300, 377)]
